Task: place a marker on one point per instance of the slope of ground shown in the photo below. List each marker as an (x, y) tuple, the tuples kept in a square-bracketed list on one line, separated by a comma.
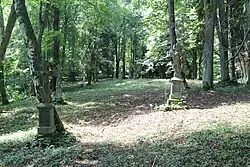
[(114, 123)]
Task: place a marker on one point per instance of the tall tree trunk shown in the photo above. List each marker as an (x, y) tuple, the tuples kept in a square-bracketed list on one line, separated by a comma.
[(194, 65), (65, 32), (123, 52), (89, 67), (40, 76), (210, 13), (233, 43), (247, 7), (200, 67), (133, 55), (223, 37), (56, 59), (172, 23), (117, 58), (5, 38), (72, 74)]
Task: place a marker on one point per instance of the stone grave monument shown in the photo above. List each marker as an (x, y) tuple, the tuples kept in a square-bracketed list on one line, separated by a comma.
[(46, 109), (175, 96), (46, 118)]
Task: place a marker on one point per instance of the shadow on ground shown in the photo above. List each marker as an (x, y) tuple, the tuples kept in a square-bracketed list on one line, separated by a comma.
[(200, 99), (101, 104), (109, 105)]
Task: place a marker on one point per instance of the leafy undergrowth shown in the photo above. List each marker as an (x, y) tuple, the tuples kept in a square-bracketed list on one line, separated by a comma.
[(222, 145), (27, 149), (113, 123)]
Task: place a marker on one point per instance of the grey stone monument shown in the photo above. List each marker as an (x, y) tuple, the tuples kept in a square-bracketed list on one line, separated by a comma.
[(46, 118), (176, 82), (175, 91)]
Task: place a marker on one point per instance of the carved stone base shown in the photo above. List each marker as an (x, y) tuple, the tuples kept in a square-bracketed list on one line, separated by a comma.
[(46, 118), (175, 96), (46, 130)]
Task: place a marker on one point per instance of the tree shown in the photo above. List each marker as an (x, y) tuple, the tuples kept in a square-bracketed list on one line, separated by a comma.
[(123, 49), (172, 23), (5, 38), (210, 13), (233, 42), (57, 79), (39, 72), (223, 38), (247, 28)]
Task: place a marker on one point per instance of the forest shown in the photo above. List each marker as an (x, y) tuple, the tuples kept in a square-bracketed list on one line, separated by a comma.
[(124, 83)]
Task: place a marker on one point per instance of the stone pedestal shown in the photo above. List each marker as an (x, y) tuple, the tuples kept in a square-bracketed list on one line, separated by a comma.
[(46, 118), (176, 90)]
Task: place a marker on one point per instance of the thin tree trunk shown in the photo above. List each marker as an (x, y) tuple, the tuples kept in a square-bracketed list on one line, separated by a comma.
[(123, 52), (89, 68), (5, 38), (2, 81), (200, 67), (40, 76), (247, 6), (43, 20), (56, 58), (172, 23), (72, 74), (134, 55), (117, 58), (194, 65), (210, 12), (232, 42), (244, 67), (65, 33), (223, 37)]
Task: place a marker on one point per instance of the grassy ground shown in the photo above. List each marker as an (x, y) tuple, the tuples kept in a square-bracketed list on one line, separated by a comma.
[(114, 123)]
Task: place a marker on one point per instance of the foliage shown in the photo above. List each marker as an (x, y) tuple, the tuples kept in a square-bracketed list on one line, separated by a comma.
[(31, 150)]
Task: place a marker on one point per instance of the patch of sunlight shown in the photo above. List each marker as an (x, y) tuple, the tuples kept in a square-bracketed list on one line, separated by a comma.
[(161, 125), (159, 80), (141, 82), (18, 136), (120, 84), (9, 113), (90, 105), (5, 114), (130, 83)]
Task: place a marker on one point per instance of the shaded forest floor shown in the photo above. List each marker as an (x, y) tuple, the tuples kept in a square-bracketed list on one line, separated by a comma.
[(114, 124)]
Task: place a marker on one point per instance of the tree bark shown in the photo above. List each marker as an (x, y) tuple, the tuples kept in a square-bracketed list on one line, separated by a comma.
[(247, 7), (210, 13), (65, 34), (123, 52), (200, 67), (223, 37), (194, 65), (172, 23), (72, 73), (117, 58), (232, 42), (5, 38), (56, 58), (40, 76)]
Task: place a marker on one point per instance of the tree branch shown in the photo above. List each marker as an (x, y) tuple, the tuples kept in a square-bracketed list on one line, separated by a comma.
[(241, 46)]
